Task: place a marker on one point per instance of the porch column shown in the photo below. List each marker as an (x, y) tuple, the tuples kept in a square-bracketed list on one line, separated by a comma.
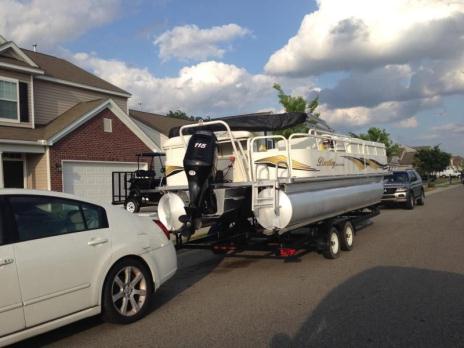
[(2, 185)]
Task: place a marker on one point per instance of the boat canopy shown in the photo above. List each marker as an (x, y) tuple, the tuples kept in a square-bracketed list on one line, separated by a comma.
[(260, 123)]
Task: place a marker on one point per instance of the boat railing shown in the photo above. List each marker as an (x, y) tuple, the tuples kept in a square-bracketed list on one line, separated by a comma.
[(237, 147), (341, 138), (254, 166)]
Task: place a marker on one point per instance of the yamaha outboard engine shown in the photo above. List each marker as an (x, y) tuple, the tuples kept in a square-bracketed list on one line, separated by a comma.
[(200, 167)]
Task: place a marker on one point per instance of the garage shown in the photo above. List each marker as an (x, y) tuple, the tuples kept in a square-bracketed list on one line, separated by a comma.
[(92, 180)]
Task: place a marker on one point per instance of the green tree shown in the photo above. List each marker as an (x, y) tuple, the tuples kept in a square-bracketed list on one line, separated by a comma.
[(431, 160), (182, 115), (179, 114), (296, 104), (381, 136)]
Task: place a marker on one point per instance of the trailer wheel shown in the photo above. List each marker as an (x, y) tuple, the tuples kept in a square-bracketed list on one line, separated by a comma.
[(333, 244), (132, 205), (347, 237)]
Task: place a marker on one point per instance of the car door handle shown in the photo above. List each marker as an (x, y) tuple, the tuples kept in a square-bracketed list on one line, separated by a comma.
[(6, 262), (97, 241)]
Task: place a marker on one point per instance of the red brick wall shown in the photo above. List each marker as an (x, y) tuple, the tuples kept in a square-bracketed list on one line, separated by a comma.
[(90, 143)]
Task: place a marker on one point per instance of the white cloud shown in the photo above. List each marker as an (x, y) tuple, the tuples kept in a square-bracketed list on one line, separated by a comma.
[(51, 22), (191, 42), (362, 34), (450, 128), (408, 123), (384, 113), (208, 88)]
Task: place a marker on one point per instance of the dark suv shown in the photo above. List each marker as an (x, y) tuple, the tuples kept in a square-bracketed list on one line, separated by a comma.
[(405, 187)]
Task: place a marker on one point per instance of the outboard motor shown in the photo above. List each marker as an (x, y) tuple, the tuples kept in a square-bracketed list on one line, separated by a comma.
[(200, 168)]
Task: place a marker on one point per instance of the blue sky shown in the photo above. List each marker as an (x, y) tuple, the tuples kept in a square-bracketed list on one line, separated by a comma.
[(394, 64), (271, 23)]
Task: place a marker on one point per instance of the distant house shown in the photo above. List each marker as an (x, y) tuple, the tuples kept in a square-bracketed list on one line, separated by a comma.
[(405, 159), (454, 168), (64, 129)]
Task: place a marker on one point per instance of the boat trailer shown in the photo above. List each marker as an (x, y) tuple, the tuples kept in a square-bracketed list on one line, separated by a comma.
[(289, 246)]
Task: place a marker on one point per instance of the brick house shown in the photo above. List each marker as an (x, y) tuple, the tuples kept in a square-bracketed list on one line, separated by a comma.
[(63, 128)]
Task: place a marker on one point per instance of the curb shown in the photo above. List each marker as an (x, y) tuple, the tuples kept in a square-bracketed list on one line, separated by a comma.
[(441, 189)]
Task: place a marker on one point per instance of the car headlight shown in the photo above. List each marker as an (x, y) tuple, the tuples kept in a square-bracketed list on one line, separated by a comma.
[(401, 189)]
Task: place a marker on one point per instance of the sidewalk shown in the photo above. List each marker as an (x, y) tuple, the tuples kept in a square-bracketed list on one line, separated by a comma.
[(441, 189)]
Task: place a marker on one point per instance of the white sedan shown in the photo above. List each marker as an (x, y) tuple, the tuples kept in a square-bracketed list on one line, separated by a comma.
[(63, 259)]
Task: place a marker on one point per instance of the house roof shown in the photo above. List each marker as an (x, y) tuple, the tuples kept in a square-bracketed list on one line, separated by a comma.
[(407, 157), (69, 121), (47, 131), (62, 69), (457, 160), (162, 124), (52, 68)]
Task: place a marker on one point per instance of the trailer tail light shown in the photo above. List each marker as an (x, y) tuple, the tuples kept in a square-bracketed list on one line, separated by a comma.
[(163, 228), (287, 252)]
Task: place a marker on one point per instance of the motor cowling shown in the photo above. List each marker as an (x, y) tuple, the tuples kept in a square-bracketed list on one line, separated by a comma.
[(200, 167)]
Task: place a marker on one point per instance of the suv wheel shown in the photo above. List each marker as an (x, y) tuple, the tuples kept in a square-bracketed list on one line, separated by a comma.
[(411, 201), (421, 200)]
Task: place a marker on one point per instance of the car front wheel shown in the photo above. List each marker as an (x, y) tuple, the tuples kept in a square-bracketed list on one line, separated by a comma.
[(127, 292), (411, 201)]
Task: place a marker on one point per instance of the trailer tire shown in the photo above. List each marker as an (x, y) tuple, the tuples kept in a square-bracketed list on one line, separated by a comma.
[(347, 237), (332, 250), (132, 205)]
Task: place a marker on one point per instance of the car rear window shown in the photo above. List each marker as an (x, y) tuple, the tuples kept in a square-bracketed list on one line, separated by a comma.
[(42, 216), (95, 216)]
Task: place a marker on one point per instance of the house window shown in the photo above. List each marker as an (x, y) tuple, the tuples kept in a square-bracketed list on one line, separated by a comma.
[(9, 106), (107, 125)]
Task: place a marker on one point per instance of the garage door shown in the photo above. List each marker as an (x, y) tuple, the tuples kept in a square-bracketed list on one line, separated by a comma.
[(92, 180)]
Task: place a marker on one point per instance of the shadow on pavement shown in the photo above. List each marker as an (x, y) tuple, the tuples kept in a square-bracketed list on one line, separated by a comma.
[(187, 275), (387, 307)]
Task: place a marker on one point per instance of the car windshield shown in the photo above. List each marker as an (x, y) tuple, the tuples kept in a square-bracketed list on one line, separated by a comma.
[(396, 178)]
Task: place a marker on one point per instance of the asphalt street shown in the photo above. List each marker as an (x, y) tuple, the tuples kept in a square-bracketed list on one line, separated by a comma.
[(402, 285)]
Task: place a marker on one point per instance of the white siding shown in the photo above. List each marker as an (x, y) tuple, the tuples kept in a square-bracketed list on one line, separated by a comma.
[(52, 99)]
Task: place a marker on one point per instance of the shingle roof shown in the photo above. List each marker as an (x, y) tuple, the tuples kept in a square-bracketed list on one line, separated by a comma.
[(47, 131), (159, 122), (64, 70)]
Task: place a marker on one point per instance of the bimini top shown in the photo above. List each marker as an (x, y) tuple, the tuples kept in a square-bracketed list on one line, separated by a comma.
[(259, 122)]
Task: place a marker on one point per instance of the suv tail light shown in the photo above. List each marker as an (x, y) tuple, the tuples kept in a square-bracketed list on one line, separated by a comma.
[(163, 228)]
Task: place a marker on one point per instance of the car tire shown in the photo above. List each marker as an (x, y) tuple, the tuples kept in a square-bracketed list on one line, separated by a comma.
[(347, 237), (411, 201), (421, 200), (127, 292), (132, 205), (332, 251)]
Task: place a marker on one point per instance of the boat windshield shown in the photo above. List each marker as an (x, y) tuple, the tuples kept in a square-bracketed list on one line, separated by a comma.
[(399, 177)]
